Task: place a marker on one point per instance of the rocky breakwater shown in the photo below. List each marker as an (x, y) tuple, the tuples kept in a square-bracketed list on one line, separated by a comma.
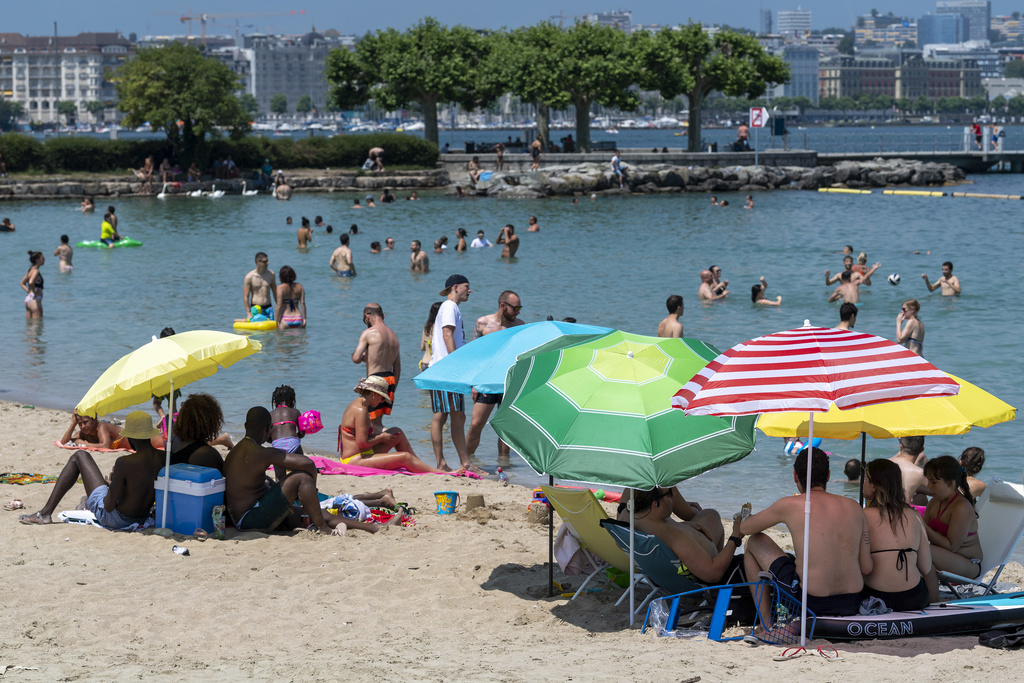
[(583, 179), (301, 180)]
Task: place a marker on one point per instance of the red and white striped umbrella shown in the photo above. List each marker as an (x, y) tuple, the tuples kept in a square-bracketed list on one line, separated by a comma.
[(807, 369)]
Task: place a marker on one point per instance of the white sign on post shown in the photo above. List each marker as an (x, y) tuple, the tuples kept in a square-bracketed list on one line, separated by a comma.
[(758, 117)]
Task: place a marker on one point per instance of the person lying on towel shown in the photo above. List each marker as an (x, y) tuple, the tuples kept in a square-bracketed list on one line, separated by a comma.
[(93, 433), (698, 541)]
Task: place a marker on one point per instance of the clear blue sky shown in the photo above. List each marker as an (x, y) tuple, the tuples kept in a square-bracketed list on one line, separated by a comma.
[(141, 17)]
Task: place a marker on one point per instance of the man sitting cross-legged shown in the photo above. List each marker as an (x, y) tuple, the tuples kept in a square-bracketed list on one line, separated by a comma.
[(128, 496), (840, 547), (254, 502)]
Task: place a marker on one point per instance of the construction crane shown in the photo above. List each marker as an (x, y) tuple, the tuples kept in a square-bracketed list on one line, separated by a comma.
[(204, 18)]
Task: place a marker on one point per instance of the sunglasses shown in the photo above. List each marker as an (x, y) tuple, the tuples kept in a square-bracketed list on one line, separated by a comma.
[(515, 309)]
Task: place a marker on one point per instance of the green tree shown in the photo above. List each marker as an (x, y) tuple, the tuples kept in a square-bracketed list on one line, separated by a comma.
[(427, 64), (905, 104), (526, 60), (67, 109), (176, 83), (250, 105), (1015, 107), (1014, 69), (691, 62), (9, 113), (96, 107), (977, 104), (279, 104), (923, 105), (304, 105), (803, 104), (846, 45)]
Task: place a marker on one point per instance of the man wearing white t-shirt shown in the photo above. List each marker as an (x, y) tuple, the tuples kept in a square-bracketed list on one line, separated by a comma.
[(480, 242), (448, 336)]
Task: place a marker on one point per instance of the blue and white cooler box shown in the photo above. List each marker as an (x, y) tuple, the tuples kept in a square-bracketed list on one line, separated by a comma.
[(194, 491)]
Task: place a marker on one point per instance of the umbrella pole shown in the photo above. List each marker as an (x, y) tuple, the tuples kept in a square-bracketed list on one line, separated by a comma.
[(807, 535), (167, 457), (551, 544), (863, 464), (630, 503)]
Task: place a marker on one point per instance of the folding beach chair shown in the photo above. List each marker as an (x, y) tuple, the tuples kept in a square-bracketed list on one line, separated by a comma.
[(1000, 527), (582, 514)]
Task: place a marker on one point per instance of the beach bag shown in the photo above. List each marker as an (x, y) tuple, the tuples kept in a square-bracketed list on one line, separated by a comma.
[(1003, 638)]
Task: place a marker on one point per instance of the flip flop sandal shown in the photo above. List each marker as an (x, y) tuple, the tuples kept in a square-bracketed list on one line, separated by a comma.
[(792, 653), (15, 504), (200, 535), (830, 653)]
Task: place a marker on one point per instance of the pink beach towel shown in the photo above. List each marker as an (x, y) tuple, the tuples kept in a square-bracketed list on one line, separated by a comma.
[(329, 466), (88, 447)]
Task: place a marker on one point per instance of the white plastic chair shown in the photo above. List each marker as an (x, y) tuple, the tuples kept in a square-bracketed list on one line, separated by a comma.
[(1000, 527)]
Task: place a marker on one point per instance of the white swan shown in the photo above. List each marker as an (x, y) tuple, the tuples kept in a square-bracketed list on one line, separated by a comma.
[(215, 193), (163, 192), (248, 193), (196, 193)]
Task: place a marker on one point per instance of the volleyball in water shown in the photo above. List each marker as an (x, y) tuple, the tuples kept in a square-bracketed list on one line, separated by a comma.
[(894, 279)]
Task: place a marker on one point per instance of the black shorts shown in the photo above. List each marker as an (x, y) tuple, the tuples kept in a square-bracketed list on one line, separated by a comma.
[(784, 571), (488, 399), (910, 600)]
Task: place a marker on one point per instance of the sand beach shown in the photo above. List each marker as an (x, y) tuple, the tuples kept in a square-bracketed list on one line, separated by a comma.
[(455, 598)]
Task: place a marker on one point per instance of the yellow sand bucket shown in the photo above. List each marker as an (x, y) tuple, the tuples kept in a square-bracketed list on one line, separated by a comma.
[(446, 501)]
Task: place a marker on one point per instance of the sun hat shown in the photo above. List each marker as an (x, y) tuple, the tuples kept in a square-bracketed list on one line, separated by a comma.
[(452, 281), (139, 425), (377, 385)]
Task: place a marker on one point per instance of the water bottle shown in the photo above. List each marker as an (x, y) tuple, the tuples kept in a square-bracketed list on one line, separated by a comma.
[(502, 477), (218, 522)]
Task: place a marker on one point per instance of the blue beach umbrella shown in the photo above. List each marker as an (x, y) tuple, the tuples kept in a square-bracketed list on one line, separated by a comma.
[(483, 363)]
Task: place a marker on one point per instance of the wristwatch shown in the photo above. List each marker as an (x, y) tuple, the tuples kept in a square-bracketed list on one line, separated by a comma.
[(737, 540)]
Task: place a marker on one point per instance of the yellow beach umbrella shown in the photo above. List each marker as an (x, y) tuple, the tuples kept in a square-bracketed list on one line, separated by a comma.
[(156, 369), (971, 407), (159, 366)]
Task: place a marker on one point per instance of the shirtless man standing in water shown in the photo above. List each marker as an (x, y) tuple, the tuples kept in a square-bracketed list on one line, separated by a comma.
[(849, 285), (670, 326), (509, 305), (510, 240), (950, 283), (378, 347), (418, 260), (305, 233), (64, 253), (341, 259), (259, 288)]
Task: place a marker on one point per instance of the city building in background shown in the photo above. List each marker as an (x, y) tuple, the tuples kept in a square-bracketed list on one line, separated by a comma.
[(977, 12), (942, 28), (880, 31), (909, 74), (620, 19), (40, 71), (292, 66), (980, 53), (793, 24), (804, 72)]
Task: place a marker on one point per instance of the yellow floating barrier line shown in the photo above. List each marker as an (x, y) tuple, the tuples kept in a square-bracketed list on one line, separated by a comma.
[(974, 195), (842, 190), (915, 193)]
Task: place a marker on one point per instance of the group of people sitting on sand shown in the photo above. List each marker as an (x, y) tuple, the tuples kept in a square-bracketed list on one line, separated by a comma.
[(253, 500), (888, 550)]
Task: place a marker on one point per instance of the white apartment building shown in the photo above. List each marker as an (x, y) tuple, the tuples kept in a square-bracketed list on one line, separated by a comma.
[(40, 71)]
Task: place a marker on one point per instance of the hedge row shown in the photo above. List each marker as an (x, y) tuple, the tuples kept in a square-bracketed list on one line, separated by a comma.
[(95, 155)]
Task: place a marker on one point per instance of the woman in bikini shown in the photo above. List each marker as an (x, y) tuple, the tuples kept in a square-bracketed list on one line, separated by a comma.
[(32, 283), (285, 432), (952, 522), (291, 299), (461, 244), (909, 329), (899, 545), (358, 444)]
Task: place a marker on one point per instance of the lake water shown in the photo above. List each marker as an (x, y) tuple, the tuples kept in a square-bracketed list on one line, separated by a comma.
[(608, 262)]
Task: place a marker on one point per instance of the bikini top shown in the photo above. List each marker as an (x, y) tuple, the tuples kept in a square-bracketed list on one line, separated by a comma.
[(901, 559), (286, 422)]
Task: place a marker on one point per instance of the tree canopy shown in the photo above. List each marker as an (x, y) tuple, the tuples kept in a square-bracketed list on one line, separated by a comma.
[(690, 62), (1014, 69), (427, 65), (279, 103), (304, 105), (178, 90)]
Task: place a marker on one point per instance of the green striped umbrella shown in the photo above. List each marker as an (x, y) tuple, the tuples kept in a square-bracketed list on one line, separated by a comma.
[(598, 409)]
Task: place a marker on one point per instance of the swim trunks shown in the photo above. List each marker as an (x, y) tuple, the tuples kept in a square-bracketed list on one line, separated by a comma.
[(844, 605), (267, 513), (107, 241), (288, 444), (446, 402), (346, 273), (910, 600), (385, 407), (111, 519), (488, 399)]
